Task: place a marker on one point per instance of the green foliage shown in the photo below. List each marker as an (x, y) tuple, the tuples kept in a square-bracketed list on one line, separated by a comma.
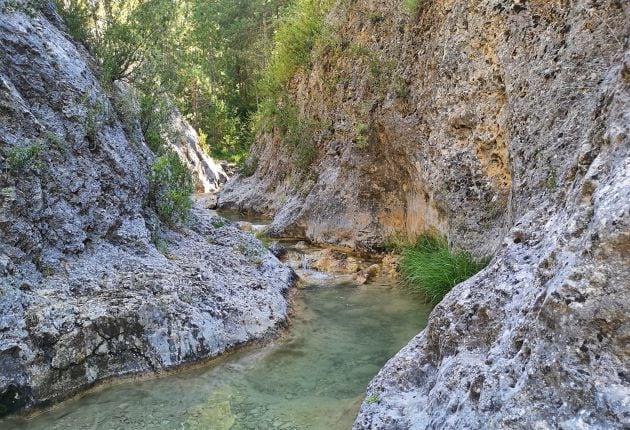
[(160, 242), (401, 88), (264, 238), (219, 222), (552, 178), (23, 157), (373, 399), (431, 268), (294, 40), (153, 116), (411, 6), (207, 56), (217, 60), (357, 50), (29, 8), (170, 188), (57, 142), (97, 116), (247, 167), (304, 155), (76, 15), (362, 131), (375, 17), (395, 243), (297, 133)]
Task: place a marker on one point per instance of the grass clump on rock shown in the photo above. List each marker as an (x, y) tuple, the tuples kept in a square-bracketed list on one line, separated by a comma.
[(22, 157), (432, 268)]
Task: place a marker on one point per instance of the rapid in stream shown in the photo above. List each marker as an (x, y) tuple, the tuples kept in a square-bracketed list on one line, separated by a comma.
[(314, 377)]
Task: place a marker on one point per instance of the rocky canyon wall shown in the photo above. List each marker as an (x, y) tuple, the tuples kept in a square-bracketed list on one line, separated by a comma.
[(85, 293), (459, 117), (506, 126)]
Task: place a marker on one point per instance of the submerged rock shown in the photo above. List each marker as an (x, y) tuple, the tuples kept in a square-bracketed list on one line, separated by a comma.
[(333, 261)]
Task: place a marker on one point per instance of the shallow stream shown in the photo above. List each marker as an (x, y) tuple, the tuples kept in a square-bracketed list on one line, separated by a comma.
[(314, 377)]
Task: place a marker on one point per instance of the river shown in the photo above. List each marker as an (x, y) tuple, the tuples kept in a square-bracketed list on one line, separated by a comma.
[(314, 377)]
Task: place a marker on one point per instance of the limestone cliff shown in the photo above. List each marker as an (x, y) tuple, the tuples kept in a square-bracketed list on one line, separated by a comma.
[(85, 294), (460, 116), (208, 174), (505, 125)]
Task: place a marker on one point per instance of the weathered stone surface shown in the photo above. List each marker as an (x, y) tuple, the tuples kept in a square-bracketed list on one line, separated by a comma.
[(85, 295), (474, 112), (506, 126), (208, 173)]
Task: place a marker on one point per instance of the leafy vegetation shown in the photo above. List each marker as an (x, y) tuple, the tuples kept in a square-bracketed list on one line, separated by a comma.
[(153, 115), (170, 188), (295, 39), (247, 166), (373, 399), (76, 15), (22, 157), (225, 63), (362, 134), (432, 268), (411, 6), (207, 56)]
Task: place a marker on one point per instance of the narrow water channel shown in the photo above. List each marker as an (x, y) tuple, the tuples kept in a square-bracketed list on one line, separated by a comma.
[(313, 378)]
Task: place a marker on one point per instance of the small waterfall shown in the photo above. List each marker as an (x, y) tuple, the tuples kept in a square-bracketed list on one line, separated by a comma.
[(305, 265)]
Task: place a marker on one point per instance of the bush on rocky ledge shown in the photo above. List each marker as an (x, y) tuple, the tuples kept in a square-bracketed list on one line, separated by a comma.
[(170, 188)]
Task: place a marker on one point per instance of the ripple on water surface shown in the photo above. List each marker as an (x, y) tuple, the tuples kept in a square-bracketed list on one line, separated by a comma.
[(314, 378)]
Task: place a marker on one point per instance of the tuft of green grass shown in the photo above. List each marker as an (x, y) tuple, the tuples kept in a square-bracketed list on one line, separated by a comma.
[(373, 399), (264, 238), (219, 222), (22, 157), (432, 268), (362, 132)]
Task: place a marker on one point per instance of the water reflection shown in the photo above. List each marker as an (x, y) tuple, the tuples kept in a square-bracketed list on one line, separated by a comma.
[(314, 378)]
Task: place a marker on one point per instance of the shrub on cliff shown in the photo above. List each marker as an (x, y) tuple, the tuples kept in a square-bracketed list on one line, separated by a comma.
[(21, 157), (294, 40), (170, 188), (411, 5), (432, 268)]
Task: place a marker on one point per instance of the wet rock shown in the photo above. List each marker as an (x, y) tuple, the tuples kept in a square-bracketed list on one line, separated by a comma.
[(278, 250), (390, 266), (363, 276), (333, 261), (244, 225)]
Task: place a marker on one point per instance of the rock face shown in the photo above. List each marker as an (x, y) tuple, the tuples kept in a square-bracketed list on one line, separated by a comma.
[(208, 174), (455, 117), (506, 126), (85, 295)]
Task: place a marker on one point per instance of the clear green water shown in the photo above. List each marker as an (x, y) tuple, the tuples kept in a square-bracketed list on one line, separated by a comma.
[(313, 378)]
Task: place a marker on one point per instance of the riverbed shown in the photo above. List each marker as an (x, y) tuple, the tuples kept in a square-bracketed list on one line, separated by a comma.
[(312, 378)]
